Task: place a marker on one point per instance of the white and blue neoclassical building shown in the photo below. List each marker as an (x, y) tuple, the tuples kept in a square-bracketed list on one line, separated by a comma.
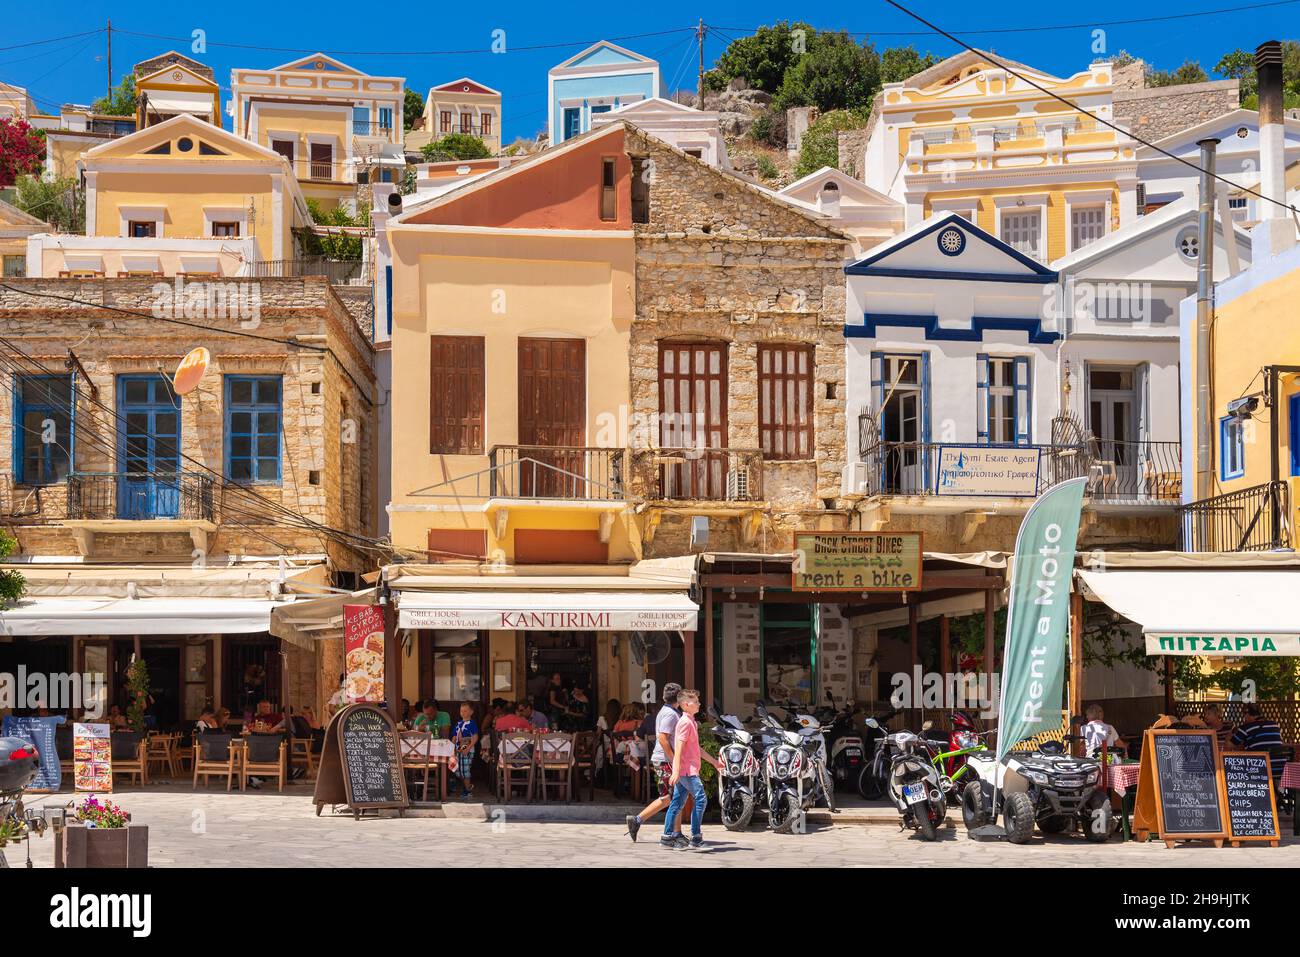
[(602, 78)]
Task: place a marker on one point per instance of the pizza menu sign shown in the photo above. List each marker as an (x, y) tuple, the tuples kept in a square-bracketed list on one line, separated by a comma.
[(363, 652)]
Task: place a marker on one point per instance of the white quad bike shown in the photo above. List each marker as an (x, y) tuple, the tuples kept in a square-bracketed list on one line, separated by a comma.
[(1047, 787)]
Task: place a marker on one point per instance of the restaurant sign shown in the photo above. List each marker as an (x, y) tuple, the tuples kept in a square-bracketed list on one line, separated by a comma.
[(987, 470), (363, 652), (523, 619), (857, 561), (1227, 645)]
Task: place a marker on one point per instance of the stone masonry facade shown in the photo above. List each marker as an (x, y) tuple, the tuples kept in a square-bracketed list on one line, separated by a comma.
[(722, 261), (329, 421)]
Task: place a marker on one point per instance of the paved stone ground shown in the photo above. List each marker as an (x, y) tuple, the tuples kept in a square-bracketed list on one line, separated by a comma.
[(264, 829)]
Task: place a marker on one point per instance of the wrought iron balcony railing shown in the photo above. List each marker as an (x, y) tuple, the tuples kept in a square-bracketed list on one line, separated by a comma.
[(1253, 519), (340, 272), (563, 472), (702, 474), (141, 496)]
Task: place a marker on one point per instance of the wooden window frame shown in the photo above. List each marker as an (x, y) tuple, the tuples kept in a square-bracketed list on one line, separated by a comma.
[(785, 439), (466, 384), (226, 224), (608, 189), (444, 121)]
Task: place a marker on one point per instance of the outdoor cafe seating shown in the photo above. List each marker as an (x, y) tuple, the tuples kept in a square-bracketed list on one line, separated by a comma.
[(128, 755), (264, 756), (214, 754), (422, 753)]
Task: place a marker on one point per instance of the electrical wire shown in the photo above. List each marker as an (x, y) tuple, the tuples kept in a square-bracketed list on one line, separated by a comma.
[(70, 36), (1082, 112)]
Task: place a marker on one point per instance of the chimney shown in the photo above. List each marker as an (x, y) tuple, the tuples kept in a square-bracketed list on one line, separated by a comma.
[(1275, 233)]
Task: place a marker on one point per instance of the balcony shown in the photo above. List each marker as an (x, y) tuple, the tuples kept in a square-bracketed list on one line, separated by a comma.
[(1135, 473), (380, 130), (1250, 520), (543, 472), (339, 272), (702, 474), (141, 496)]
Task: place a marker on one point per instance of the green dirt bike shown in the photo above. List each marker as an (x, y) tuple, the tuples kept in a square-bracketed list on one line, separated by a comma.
[(952, 783)]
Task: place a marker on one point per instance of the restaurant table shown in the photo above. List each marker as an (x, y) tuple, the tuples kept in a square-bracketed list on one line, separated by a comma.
[(1291, 782), (1122, 780)]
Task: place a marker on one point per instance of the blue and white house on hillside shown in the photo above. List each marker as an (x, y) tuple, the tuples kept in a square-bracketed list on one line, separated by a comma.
[(602, 78), (947, 345)]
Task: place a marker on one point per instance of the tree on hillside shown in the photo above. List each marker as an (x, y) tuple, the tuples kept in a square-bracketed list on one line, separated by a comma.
[(762, 59), (836, 73), (412, 109), (1189, 72), (455, 146), (22, 150), (902, 63), (120, 101), (1240, 65), (59, 202), (820, 144)]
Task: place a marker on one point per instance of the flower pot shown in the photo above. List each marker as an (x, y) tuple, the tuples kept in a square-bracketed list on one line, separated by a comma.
[(97, 847)]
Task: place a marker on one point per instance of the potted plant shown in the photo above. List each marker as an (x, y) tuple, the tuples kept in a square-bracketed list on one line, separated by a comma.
[(137, 685), (100, 834)]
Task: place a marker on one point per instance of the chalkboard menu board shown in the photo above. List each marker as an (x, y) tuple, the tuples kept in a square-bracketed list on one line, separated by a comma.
[(360, 764), (1188, 775), (1252, 807), (38, 732)]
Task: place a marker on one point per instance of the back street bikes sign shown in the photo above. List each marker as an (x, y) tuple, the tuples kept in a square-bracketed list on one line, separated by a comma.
[(857, 561)]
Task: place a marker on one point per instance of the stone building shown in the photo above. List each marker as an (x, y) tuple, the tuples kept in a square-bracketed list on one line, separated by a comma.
[(1156, 112), (165, 525)]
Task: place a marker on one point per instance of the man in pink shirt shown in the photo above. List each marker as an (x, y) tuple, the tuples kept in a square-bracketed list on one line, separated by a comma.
[(686, 776), (510, 721)]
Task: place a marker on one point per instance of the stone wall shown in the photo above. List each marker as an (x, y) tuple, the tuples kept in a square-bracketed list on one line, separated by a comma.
[(852, 151), (721, 260), (834, 654), (1162, 111), (112, 327)]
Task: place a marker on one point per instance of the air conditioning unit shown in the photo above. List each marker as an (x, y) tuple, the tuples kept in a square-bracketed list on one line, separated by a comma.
[(738, 485), (855, 479)]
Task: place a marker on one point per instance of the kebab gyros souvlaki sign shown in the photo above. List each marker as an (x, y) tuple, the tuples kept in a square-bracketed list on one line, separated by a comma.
[(857, 561)]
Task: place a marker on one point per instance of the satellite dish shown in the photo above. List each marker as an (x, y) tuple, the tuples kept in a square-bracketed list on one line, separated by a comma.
[(191, 370), (649, 647)]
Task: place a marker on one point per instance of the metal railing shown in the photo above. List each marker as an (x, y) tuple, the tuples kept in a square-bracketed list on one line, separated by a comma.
[(339, 272), (1134, 472), (372, 128), (562, 472), (704, 474), (471, 130), (140, 496), (1250, 520)]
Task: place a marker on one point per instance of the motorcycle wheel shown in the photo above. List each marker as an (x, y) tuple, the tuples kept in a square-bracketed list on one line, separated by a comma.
[(1018, 816), (973, 812), (828, 788), (869, 785), (925, 823), (787, 815), (737, 810)]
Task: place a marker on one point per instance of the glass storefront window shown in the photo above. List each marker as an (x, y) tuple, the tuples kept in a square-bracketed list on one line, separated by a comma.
[(789, 653), (457, 667)]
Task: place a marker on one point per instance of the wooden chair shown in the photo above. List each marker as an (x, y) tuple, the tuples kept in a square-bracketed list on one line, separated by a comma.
[(623, 743), (302, 746), (416, 748), (585, 744), (515, 759), (265, 756), (128, 755), (214, 753), (554, 756), (159, 751)]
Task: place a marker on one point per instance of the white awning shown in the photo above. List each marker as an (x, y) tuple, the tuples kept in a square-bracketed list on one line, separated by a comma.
[(1239, 613), (524, 610), (180, 101), (137, 616)]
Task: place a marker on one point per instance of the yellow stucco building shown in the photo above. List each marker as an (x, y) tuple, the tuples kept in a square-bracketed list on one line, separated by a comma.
[(970, 136)]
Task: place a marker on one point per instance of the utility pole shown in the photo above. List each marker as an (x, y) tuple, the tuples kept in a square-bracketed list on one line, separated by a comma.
[(700, 33), (110, 60)]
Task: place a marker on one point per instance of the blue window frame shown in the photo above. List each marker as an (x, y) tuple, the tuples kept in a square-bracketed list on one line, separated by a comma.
[(44, 410), (361, 120), (1232, 447), (1293, 431), (148, 448), (385, 118), (253, 405), (1003, 400), (572, 122)]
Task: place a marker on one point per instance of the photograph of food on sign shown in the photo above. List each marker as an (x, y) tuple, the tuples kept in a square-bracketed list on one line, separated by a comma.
[(857, 561)]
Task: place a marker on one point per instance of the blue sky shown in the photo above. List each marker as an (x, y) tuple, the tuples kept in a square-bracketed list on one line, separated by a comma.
[(73, 70)]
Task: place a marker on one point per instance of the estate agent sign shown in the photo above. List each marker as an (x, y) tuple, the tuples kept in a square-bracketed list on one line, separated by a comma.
[(987, 470), (857, 561)]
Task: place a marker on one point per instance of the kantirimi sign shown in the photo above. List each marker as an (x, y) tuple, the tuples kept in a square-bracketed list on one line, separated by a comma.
[(1244, 645)]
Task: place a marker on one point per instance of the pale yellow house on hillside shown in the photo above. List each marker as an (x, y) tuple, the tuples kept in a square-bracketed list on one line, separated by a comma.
[(15, 102), (461, 106), (171, 84), (182, 197), (335, 125), (979, 136)]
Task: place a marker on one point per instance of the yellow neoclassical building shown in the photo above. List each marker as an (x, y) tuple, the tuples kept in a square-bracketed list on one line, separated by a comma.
[(182, 197), (970, 136), (335, 125)]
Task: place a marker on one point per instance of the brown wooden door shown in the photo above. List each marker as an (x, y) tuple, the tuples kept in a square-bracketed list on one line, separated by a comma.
[(552, 415), (693, 415)]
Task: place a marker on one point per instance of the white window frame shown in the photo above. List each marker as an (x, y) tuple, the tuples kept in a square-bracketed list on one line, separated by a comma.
[(1094, 197), (1025, 204), (141, 214), (224, 214)]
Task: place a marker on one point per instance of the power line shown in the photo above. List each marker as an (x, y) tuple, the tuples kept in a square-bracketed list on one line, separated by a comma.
[(1082, 112), (32, 43)]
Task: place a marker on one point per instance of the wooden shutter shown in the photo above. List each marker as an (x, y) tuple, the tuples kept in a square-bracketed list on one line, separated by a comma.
[(693, 415), (456, 395), (785, 401)]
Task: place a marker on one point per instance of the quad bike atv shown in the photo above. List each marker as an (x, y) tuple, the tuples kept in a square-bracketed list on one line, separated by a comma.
[(1047, 787)]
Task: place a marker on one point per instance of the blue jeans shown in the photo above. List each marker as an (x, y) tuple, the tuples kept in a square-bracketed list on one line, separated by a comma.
[(693, 786)]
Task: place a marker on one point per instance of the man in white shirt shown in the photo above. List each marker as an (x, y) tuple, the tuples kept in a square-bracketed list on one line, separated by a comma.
[(661, 759)]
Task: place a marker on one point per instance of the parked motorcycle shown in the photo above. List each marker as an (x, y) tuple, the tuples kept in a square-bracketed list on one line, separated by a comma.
[(914, 783), (846, 751), (19, 765), (873, 780), (794, 772), (740, 783)]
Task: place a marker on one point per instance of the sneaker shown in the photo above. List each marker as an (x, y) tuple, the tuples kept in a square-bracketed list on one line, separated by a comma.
[(677, 842), (633, 825), (698, 843)]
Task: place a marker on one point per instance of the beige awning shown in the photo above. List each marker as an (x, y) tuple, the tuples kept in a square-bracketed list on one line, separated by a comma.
[(307, 621)]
